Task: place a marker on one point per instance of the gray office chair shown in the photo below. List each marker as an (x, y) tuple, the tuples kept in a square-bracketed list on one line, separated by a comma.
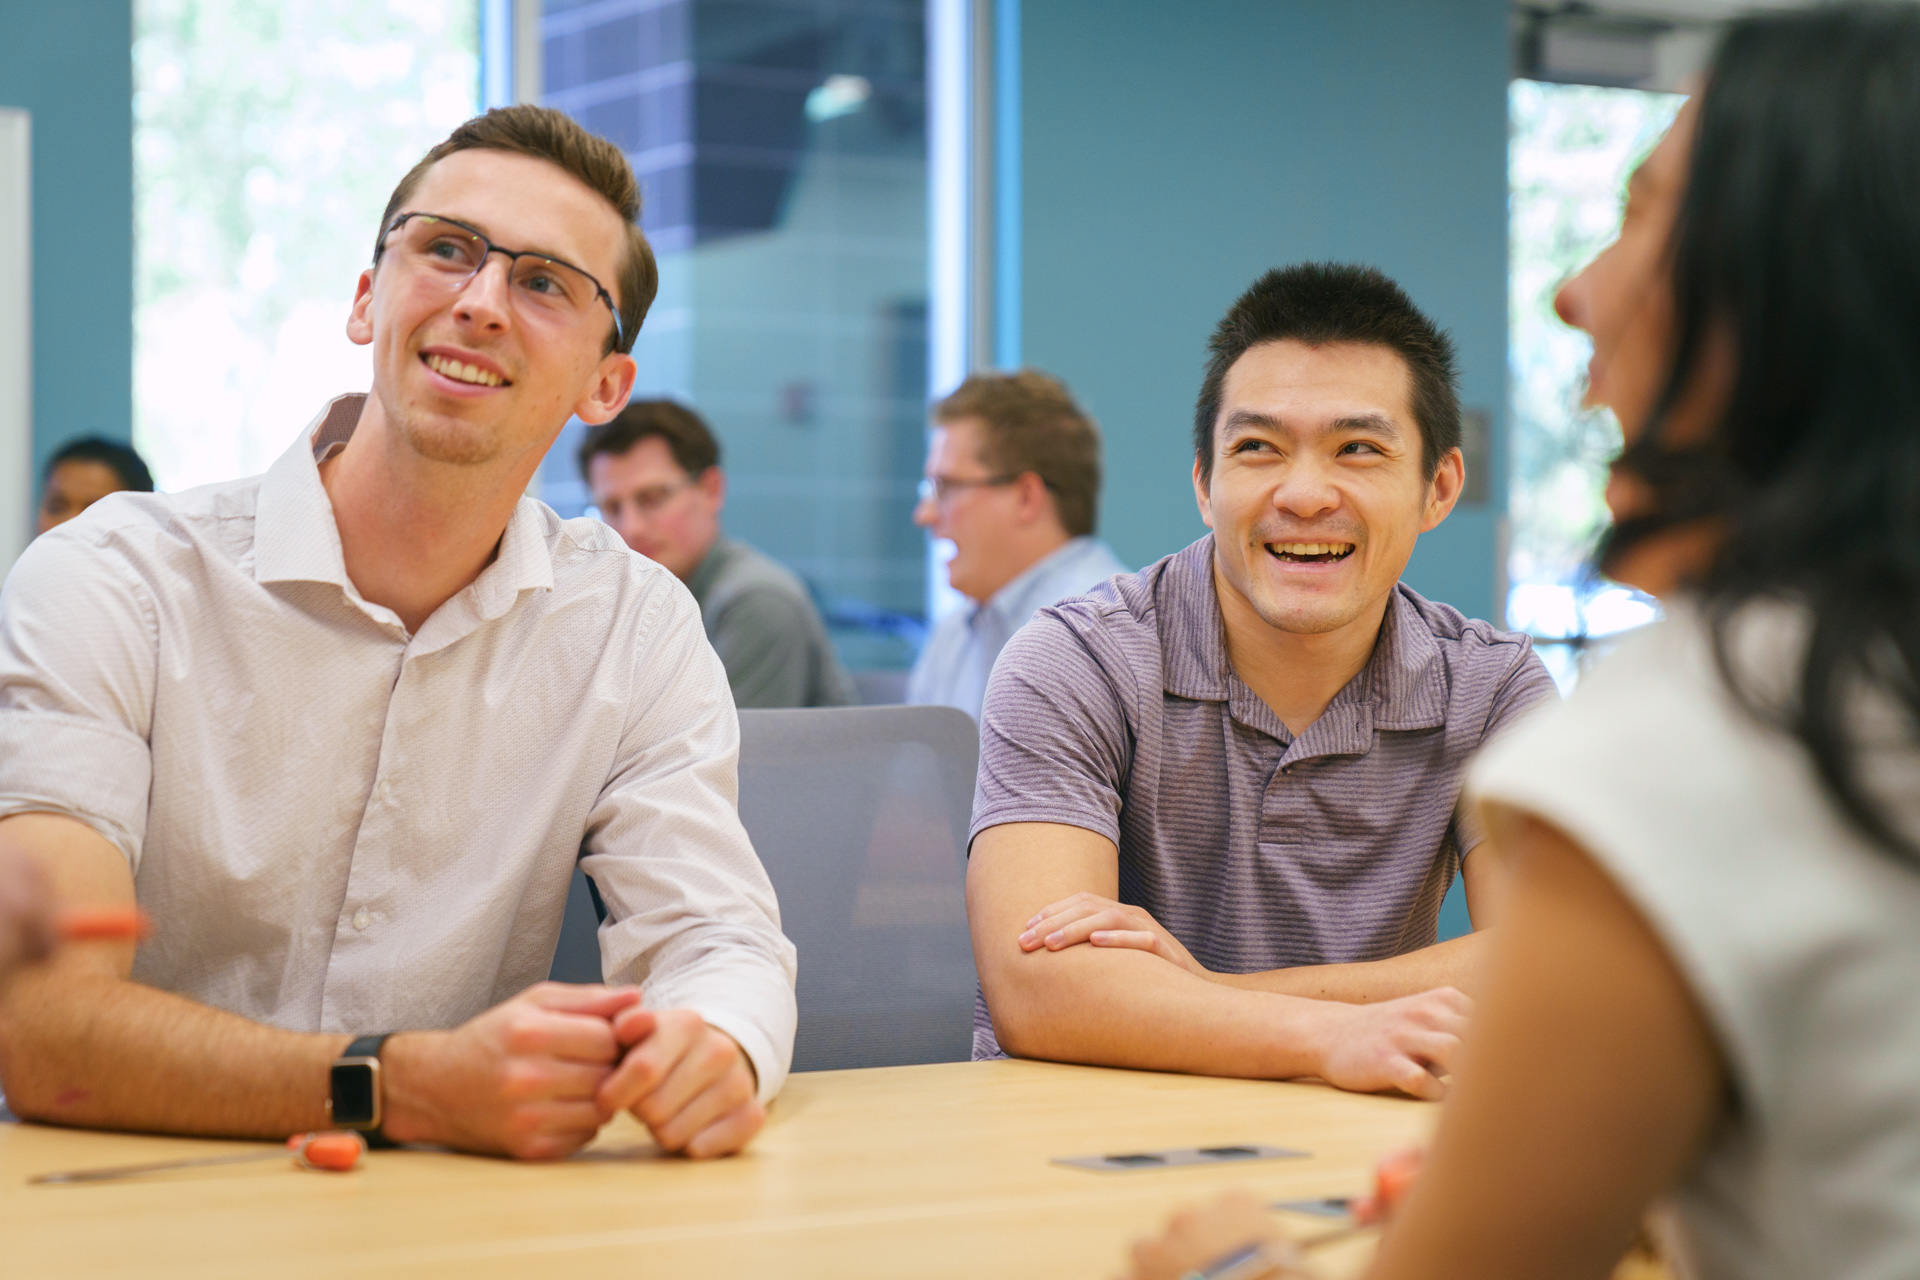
[(860, 815)]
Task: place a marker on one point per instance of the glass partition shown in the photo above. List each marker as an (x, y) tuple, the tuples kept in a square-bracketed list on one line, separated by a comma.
[(782, 151)]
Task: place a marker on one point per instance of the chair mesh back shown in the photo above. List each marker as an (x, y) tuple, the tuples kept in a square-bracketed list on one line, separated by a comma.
[(860, 815)]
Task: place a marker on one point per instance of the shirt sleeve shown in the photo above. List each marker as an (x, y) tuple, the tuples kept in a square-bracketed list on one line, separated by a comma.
[(1527, 686), (762, 638), (1053, 732), (691, 915), (78, 661)]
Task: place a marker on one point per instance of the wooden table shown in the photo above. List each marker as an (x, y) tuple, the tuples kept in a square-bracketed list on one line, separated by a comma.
[(895, 1174)]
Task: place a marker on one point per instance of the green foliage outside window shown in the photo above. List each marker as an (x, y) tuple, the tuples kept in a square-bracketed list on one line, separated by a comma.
[(267, 137)]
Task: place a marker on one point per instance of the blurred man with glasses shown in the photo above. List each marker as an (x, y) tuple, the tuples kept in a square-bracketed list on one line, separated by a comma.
[(1013, 482), (655, 475), (344, 729)]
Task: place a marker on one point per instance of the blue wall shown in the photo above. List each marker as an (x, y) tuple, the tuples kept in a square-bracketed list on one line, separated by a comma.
[(1170, 153), (70, 64)]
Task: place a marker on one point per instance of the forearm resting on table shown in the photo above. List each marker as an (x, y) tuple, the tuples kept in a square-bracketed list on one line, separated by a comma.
[(1453, 963), (1112, 1007), (1130, 1009), (83, 1044)]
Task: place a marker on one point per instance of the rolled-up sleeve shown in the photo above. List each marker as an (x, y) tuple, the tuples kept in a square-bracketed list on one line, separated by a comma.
[(691, 914), (77, 668), (1053, 734), (1528, 686)]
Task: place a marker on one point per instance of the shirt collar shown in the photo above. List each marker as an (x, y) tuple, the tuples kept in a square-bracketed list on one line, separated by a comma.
[(1403, 685), (295, 538)]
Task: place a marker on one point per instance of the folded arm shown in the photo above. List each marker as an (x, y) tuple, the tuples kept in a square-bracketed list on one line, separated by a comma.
[(1094, 920), (1119, 1006)]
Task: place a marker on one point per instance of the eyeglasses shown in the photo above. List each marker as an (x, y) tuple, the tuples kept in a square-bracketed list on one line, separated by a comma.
[(941, 488), (649, 501), (448, 254)]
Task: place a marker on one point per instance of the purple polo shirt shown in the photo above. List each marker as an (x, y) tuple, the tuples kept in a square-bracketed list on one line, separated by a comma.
[(1117, 711)]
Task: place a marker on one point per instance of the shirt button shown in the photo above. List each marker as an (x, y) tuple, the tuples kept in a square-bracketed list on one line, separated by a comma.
[(361, 919), (384, 792)]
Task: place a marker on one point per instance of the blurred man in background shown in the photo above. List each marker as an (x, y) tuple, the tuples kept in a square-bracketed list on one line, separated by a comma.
[(655, 475), (85, 471), (1013, 481)]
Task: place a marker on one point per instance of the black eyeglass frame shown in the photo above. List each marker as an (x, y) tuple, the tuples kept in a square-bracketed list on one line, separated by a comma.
[(512, 256)]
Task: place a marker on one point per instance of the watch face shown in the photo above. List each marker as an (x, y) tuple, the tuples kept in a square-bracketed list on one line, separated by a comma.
[(353, 1093)]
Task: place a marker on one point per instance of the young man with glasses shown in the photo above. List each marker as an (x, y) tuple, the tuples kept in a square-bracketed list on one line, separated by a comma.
[(654, 470), (343, 729), (1013, 481)]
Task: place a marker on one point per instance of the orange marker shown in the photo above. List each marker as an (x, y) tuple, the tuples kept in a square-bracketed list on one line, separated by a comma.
[(335, 1150), (113, 923), (1393, 1181)]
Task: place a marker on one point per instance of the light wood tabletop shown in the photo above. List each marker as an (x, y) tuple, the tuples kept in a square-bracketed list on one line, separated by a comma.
[(936, 1171)]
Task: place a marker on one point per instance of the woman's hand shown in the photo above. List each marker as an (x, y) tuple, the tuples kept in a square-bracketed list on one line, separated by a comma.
[(1207, 1239)]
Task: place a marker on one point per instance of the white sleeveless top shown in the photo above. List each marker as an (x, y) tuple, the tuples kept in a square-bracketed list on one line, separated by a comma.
[(1800, 940)]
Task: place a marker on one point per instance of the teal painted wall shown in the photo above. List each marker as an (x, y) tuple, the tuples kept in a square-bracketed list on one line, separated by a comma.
[(71, 65), (1170, 153)]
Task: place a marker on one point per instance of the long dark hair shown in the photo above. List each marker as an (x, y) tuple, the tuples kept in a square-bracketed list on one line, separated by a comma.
[(1799, 239)]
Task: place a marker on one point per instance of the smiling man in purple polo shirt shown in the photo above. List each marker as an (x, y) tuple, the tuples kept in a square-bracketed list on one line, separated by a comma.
[(1218, 799)]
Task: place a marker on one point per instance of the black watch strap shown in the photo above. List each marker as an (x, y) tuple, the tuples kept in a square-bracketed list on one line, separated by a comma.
[(369, 1047), (366, 1046)]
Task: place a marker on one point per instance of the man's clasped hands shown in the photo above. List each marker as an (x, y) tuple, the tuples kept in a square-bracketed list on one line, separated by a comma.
[(537, 1076)]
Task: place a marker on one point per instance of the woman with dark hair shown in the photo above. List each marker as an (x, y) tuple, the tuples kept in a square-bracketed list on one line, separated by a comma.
[(1704, 987)]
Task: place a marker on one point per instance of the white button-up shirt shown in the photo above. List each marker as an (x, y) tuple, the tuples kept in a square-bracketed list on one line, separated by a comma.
[(339, 826), (953, 668)]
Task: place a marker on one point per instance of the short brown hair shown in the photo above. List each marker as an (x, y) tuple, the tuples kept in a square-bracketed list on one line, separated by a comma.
[(546, 134), (1316, 303), (688, 437), (1032, 424)]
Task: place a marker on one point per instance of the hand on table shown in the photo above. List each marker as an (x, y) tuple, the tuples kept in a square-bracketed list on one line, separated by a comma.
[(1102, 922), (1407, 1044), (1199, 1238), (26, 912), (688, 1082), (521, 1079)]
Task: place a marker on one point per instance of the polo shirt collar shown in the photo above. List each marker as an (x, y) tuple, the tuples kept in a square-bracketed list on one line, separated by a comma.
[(1403, 685), (295, 538)]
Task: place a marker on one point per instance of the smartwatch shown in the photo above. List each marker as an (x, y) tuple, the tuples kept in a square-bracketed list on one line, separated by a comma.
[(353, 1087)]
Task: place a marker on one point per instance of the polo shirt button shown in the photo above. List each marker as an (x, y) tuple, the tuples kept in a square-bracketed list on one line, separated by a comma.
[(361, 919)]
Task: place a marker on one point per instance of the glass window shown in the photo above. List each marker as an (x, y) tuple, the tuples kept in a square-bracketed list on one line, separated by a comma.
[(267, 137), (782, 151), (1572, 148)]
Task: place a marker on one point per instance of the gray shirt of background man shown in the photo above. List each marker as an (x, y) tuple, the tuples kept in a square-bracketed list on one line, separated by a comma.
[(761, 621), (1118, 712)]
